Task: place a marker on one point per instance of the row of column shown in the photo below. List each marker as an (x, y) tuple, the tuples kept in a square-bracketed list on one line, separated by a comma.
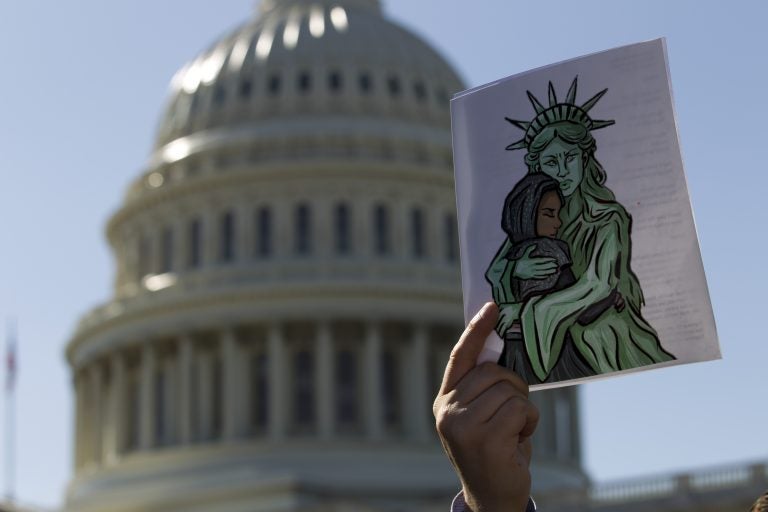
[(437, 230), (117, 409)]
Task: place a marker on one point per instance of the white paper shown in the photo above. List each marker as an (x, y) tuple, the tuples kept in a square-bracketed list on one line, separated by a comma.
[(641, 157)]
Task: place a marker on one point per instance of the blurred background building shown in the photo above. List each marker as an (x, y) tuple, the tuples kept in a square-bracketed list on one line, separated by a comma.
[(287, 292)]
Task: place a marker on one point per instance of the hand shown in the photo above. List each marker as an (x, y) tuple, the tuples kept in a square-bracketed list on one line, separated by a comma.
[(527, 267), (485, 422), (508, 315)]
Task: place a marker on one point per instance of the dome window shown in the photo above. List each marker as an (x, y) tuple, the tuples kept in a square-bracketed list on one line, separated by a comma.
[(195, 243), (417, 233), (302, 230), (304, 82), (263, 232), (366, 85), (442, 97), (343, 243), (334, 81), (227, 241), (273, 85), (246, 87), (420, 91), (393, 84), (381, 242)]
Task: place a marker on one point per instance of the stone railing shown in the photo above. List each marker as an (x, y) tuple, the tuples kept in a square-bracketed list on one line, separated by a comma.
[(715, 479)]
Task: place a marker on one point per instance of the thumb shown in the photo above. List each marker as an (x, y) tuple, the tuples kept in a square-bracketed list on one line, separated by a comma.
[(464, 354), (528, 251)]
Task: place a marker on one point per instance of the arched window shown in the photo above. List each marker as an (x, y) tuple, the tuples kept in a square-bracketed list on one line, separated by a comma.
[(302, 230), (195, 243), (393, 85), (451, 244), (334, 81), (166, 251), (263, 232), (420, 91), (246, 87), (347, 404), (304, 390), (381, 242), (417, 233), (227, 237), (366, 85), (304, 82), (259, 379), (343, 243), (273, 85)]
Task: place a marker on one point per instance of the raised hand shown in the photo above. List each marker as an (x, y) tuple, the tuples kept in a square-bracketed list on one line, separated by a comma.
[(485, 422)]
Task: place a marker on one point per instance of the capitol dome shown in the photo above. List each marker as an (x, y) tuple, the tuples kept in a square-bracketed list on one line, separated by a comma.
[(287, 284)]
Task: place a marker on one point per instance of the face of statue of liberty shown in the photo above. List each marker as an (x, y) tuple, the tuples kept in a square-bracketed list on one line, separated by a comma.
[(563, 162)]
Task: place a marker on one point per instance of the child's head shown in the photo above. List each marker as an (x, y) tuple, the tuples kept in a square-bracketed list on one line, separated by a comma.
[(532, 208)]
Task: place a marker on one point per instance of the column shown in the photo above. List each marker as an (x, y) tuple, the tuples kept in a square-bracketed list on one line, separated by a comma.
[(116, 434), (185, 390), (146, 397), (234, 389), (278, 390), (94, 382), (325, 383), (418, 398), (170, 402), (373, 394), (205, 399)]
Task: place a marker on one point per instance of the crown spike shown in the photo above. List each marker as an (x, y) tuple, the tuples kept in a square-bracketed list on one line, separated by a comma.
[(517, 145), (596, 125), (537, 106), (571, 96), (591, 102), (523, 125), (552, 96)]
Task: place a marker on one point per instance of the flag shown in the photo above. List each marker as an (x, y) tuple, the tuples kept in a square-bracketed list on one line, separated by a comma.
[(10, 359)]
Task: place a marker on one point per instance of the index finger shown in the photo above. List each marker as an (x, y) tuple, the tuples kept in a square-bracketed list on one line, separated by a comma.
[(467, 349)]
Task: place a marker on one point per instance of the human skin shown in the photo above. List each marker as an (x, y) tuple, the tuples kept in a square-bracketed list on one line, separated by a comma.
[(485, 423), (548, 215)]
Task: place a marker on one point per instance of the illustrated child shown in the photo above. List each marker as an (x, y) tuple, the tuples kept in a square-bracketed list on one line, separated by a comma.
[(531, 219)]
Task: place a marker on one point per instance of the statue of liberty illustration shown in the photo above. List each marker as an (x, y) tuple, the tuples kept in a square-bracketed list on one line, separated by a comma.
[(570, 304)]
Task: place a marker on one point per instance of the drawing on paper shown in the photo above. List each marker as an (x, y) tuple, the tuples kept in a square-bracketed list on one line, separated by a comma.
[(570, 304)]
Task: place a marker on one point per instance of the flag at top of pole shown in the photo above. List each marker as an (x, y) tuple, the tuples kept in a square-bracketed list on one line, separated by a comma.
[(11, 363)]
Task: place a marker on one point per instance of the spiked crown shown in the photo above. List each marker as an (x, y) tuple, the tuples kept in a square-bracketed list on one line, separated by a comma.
[(556, 112)]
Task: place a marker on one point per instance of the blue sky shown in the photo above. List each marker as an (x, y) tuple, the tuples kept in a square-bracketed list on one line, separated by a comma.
[(82, 88)]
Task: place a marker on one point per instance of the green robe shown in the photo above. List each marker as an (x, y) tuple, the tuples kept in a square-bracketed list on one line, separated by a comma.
[(599, 240)]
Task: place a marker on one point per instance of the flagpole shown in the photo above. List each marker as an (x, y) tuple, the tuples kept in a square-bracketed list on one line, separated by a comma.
[(10, 410)]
